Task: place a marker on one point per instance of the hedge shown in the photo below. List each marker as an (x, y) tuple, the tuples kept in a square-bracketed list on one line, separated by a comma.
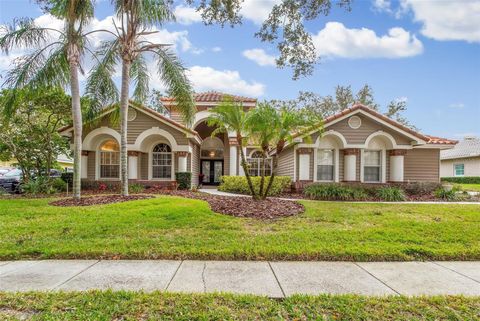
[(239, 185), (462, 180), (184, 180)]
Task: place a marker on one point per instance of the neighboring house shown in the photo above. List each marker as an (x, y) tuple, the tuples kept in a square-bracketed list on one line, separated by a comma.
[(462, 160), (357, 145)]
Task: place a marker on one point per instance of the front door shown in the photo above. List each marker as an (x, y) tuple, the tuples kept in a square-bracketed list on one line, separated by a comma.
[(211, 170)]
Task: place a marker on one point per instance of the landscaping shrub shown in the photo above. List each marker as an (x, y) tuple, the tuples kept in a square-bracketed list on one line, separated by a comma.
[(391, 194), (59, 185), (40, 185), (113, 186), (136, 188), (420, 188), (184, 180), (446, 194), (68, 178), (462, 180), (238, 184), (335, 192)]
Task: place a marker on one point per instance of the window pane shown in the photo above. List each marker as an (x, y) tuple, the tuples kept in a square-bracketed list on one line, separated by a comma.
[(372, 174), (325, 172), (372, 158), (325, 157), (459, 169)]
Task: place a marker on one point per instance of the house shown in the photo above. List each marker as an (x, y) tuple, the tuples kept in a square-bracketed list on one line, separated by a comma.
[(357, 145), (462, 160)]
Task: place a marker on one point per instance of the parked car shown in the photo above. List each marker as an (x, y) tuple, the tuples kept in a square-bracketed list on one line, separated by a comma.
[(11, 181), (4, 170)]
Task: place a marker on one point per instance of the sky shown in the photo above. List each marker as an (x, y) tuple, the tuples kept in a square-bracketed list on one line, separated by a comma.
[(425, 52)]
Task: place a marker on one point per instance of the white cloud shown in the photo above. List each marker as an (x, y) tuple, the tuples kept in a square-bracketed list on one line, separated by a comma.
[(447, 20), (186, 15), (382, 5), (457, 105), (260, 57), (216, 49), (208, 78), (401, 99), (257, 10), (335, 40)]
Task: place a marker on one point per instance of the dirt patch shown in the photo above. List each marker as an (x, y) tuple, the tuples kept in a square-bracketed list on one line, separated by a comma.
[(98, 200), (242, 206)]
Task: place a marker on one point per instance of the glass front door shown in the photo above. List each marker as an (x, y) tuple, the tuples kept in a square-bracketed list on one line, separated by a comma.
[(212, 170)]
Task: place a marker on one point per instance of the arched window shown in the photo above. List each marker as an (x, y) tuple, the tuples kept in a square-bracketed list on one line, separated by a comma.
[(212, 147), (109, 159), (162, 161), (255, 164)]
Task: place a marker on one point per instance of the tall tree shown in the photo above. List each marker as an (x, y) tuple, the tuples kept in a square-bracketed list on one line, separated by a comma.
[(135, 20), (52, 63), (285, 27), (229, 117)]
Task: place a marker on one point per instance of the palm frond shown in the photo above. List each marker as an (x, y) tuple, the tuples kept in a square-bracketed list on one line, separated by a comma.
[(100, 88), (140, 77), (23, 33), (172, 73)]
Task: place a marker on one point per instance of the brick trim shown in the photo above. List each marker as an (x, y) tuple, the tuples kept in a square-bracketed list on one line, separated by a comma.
[(397, 152), (84, 152), (182, 154), (132, 153), (304, 151), (351, 151)]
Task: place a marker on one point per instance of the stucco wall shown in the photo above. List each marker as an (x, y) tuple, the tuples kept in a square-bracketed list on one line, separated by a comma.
[(471, 166)]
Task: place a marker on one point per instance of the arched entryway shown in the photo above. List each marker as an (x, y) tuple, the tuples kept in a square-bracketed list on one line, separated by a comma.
[(212, 154)]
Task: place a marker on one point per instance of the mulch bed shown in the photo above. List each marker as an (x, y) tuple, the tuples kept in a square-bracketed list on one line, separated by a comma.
[(242, 206), (98, 200)]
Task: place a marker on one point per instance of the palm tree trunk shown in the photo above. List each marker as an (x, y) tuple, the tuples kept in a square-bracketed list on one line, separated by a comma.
[(77, 129), (272, 176), (123, 126), (245, 169), (262, 176)]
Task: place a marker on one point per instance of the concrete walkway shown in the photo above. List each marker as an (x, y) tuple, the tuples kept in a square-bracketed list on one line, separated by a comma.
[(214, 191), (273, 279)]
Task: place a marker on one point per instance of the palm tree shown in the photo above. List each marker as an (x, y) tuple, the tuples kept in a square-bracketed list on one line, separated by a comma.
[(52, 63), (135, 22), (227, 117)]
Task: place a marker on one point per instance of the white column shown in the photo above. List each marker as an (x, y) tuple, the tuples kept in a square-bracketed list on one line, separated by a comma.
[(350, 167), (182, 163), (396, 167), (233, 160), (132, 166), (304, 167), (84, 164)]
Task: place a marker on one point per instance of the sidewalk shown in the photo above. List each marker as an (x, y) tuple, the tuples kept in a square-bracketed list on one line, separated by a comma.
[(273, 279), (214, 191)]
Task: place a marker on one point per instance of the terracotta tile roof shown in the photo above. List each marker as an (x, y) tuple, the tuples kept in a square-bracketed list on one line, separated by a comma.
[(426, 138), (214, 96)]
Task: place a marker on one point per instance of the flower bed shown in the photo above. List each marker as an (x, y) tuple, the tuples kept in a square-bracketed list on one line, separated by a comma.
[(98, 200)]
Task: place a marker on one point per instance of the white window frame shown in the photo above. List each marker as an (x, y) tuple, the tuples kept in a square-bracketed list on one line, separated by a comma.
[(258, 164), (150, 163), (380, 166), (99, 162), (334, 164), (455, 169)]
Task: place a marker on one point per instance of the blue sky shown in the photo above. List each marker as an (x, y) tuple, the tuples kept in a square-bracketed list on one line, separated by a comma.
[(427, 52)]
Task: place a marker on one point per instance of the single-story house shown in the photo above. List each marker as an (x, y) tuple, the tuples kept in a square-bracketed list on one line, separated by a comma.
[(462, 160), (356, 145)]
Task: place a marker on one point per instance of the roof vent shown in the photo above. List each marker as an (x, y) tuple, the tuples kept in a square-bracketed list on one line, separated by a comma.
[(469, 138)]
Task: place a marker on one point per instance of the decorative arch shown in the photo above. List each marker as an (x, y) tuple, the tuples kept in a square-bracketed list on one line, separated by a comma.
[(156, 131), (89, 143), (337, 135), (391, 143), (200, 117)]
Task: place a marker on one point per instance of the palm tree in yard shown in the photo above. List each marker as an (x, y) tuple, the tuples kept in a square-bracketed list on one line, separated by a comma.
[(134, 25), (227, 117), (54, 61)]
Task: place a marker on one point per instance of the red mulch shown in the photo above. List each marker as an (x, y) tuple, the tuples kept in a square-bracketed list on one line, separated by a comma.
[(242, 206), (98, 200)]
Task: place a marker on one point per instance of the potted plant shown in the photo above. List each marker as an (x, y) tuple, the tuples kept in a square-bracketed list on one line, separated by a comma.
[(200, 180)]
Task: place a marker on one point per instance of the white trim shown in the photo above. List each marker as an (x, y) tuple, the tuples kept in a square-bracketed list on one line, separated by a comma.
[(150, 163), (455, 171), (89, 139), (336, 163), (361, 166), (381, 133), (332, 133), (295, 163), (97, 164), (383, 166), (200, 117), (158, 131), (304, 167)]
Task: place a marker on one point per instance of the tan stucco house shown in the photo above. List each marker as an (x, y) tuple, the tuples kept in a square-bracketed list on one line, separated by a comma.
[(462, 160), (357, 145)]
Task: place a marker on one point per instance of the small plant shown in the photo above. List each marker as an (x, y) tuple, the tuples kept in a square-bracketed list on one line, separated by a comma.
[(40, 185), (184, 180), (136, 188), (335, 192), (446, 194), (102, 187), (390, 194), (59, 185), (238, 184)]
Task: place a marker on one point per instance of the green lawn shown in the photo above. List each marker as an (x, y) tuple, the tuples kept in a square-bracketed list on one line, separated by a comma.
[(165, 306), (169, 227), (469, 187)]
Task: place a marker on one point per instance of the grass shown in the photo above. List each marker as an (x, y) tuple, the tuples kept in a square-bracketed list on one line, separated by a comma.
[(166, 306), (170, 227), (469, 187)]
